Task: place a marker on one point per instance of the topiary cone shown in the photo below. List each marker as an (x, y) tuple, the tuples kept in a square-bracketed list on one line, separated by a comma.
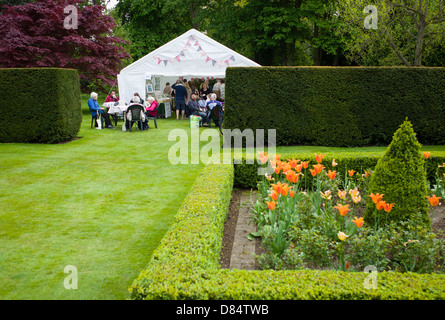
[(400, 175)]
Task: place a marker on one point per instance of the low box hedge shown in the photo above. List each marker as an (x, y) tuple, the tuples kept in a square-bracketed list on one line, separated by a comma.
[(39, 105), (186, 263), (246, 173), (340, 106)]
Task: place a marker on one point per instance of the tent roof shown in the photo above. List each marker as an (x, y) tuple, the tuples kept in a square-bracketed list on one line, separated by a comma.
[(191, 54)]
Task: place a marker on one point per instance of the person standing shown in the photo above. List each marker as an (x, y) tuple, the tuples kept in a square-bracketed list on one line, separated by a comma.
[(222, 90), (217, 88), (180, 97)]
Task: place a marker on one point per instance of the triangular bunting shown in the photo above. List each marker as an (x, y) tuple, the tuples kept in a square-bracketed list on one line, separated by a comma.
[(232, 58), (177, 58), (208, 59), (213, 62), (196, 43), (199, 48), (182, 53), (165, 62)]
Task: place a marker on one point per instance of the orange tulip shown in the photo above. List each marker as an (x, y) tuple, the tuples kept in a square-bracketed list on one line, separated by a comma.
[(273, 195), (292, 177), (298, 167), (326, 195), (380, 205), (305, 164), (376, 197), (313, 172), (358, 222), (318, 167), (262, 156), (271, 205), (348, 264), (342, 236), (351, 172), (278, 186), (292, 193), (354, 193), (342, 209), (293, 163), (319, 157), (332, 174), (434, 201), (285, 190), (427, 154), (388, 207)]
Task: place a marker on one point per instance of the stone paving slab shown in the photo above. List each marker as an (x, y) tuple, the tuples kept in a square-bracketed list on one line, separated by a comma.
[(243, 248)]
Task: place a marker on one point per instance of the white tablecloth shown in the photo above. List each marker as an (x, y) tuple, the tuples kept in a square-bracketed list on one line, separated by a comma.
[(115, 109)]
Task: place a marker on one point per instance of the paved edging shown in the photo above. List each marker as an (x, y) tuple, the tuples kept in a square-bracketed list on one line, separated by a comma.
[(243, 248)]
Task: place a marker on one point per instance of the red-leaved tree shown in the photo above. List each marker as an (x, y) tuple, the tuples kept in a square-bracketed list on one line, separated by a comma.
[(34, 35)]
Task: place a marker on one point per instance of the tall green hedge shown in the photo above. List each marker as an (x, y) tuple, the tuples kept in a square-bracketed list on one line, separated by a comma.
[(341, 106), (39, 105)]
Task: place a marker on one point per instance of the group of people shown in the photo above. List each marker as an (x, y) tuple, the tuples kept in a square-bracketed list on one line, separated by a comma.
[(150, 107), (189, 101)]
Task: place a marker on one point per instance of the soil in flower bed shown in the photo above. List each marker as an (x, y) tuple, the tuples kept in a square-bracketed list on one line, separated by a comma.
[(438, 225)]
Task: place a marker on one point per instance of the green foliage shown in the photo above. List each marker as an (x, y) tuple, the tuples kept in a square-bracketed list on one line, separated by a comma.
[(185, 265), (400, 176), (39, 105), (336, 106)]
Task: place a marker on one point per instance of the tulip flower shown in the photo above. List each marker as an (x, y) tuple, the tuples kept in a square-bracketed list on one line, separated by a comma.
[(426, 154), (334, 164), (269, 177), (348, 264), (305, 164), (293, 163), (351, 172), (342, 194), (278, 186), (358, 222), (262, 156), (291, 193), (298, 167), (313, 172), (318, 167), (342, 236), (292, 177), (271, 205), (342, 209), (319, 157), (332, 174), (380, 205), (274, 195), (356, 199), (285, 190), (326, 195), (434, 201), (354, 192), (376, 197), (388, 207)]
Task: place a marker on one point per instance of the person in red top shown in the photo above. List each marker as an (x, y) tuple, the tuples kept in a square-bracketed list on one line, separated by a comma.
[(150, 105), (112, 97)]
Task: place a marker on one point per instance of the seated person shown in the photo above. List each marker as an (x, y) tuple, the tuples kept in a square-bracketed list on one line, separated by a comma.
[(212, 103), (196, 109), (137, 99), (94, 109), (150, 105), (112, 97)]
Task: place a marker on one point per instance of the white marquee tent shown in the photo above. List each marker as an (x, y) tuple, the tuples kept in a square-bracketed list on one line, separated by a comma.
[(191, 55)]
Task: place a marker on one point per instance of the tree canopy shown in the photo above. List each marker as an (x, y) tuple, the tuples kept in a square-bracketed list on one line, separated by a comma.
[(34, 35)]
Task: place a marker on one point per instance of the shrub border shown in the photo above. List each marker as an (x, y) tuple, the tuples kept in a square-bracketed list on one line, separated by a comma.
[(186, 263)]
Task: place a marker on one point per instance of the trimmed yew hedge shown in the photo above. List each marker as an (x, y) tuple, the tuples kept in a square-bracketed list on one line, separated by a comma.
[(39, 105), (186, 263), (337, 106)]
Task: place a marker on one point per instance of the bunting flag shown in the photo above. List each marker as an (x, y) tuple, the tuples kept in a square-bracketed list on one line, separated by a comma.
[(199, 49)]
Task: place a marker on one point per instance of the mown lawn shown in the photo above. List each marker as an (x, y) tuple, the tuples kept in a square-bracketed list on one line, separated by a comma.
[(101, 203)]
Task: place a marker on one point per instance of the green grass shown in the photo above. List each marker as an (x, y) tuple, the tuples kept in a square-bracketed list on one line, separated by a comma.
[(101, 203)]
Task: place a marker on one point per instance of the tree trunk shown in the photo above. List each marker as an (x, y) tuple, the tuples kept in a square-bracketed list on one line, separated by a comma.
[(419, 41), (193, 10), (317, 51)]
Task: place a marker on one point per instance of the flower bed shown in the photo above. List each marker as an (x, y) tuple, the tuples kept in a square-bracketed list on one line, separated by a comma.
[(323, 227), (185, 265)]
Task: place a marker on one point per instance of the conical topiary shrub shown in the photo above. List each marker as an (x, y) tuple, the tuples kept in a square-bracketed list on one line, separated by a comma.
[(400, 175)]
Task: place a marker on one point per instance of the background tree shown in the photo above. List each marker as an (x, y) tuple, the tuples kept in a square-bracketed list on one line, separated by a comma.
[(406, 31), (33, 35)]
